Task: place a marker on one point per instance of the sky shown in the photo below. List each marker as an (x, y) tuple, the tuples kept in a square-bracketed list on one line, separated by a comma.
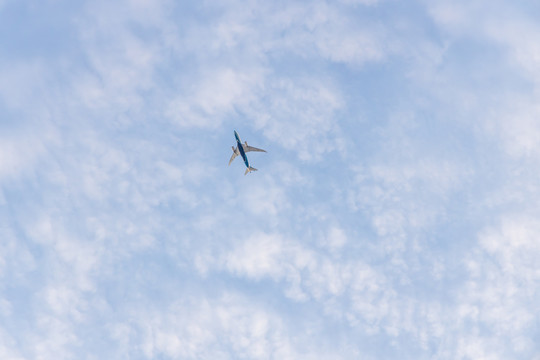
[(395, 214)]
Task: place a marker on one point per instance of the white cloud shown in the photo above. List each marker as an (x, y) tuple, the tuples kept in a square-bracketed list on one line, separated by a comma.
[(346, 289), (408, 197), (265, 198), (300, 115), (221, 328), (509, 31), (123, 232), (121, 59), (260, 255), (331, 32), (335, 239), (515, 123), (215, 95), (338, 44), (452, 14), (360, 2), (8, 347), (80, 256), (21, 81), (517, 34), (291, 176), (16, 260), (53, 338), (6, 308), (24, 146), (499, 300), (236, 53)]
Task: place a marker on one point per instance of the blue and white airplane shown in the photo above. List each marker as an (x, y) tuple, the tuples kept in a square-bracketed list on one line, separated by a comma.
[(242, 150)]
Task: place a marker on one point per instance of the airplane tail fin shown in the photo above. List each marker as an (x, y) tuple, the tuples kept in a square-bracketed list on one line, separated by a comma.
[(250, 169)]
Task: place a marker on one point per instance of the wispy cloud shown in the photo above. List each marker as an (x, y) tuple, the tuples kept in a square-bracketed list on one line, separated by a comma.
[(393, 215)]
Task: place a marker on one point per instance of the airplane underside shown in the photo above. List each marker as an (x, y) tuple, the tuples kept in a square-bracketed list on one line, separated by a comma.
[(241, 150)]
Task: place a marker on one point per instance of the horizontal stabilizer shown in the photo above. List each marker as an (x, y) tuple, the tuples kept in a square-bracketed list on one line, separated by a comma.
[(250, 169)]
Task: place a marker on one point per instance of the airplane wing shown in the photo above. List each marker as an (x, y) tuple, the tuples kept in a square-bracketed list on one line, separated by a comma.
[(235, 153), (251, 148)]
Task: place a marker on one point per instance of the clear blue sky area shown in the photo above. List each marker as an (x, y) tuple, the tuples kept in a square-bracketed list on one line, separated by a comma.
[(395, 215)]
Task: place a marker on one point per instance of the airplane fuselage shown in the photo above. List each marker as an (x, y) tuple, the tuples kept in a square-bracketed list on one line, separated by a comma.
[(241, 149)]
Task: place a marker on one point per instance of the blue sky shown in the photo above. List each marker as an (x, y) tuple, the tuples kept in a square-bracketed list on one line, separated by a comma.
[(395, 214)]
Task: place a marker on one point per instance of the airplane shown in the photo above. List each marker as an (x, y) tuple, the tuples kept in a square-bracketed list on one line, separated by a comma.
[(242, 150)]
